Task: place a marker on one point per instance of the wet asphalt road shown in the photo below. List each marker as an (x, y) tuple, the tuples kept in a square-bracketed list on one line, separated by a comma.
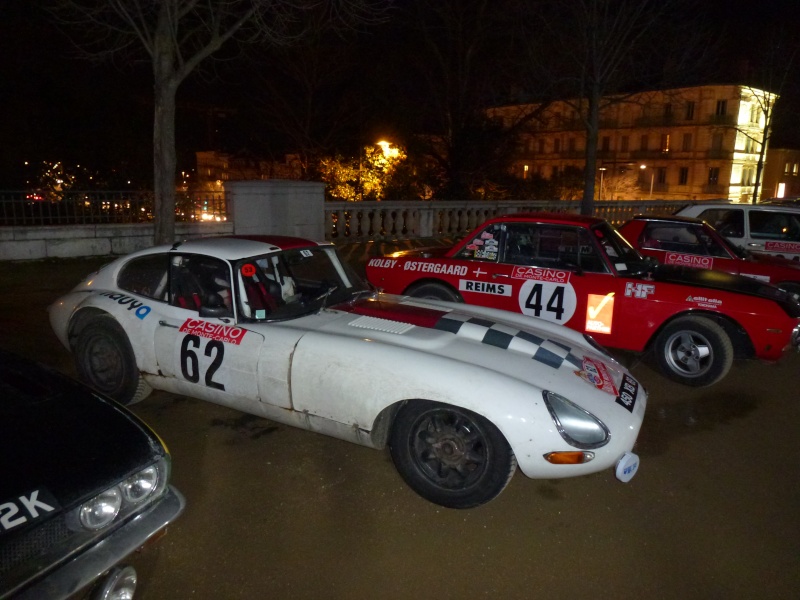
[(275, 512)]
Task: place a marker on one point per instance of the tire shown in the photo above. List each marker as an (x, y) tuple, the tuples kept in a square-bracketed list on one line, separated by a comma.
[(434, 291), (694, 351), (105, 361), (449, 455)]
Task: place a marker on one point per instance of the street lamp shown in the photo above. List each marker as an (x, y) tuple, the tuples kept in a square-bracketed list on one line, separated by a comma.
[(602, 172), (652, 179)]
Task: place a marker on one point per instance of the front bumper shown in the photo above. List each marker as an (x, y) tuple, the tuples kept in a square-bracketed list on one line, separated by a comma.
[(85, 568)]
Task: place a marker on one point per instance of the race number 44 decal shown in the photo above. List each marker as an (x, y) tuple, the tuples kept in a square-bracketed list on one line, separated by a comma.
[(552, 299)]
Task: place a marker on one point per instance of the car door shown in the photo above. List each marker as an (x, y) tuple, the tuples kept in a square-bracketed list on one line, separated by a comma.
[(560, 274), (774, 232), (198, 344)]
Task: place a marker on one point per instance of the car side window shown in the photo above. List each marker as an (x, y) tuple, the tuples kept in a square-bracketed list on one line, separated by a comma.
[(728, 221), (145, 276), (774, 226), (677, 237), (567, 248), (484, 246), (200, 281)]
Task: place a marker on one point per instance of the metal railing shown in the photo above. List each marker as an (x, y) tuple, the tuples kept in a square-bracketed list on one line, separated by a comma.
[(362, 221), (37, 208)]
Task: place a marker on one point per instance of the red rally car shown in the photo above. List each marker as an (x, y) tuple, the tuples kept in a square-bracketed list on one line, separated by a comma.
[(694, 243), (580, 272)]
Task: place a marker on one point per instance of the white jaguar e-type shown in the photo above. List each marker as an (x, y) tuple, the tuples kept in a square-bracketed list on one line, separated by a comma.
[(281, 328)]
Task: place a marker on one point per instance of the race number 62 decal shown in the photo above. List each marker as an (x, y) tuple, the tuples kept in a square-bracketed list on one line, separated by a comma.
[(548, 300), (190, 363)]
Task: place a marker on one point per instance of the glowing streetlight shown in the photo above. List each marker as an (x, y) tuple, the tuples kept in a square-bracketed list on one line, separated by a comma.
[(387, 149), (652, 179), (602, 172)]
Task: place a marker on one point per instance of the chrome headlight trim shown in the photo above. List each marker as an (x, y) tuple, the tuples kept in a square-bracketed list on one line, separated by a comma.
[(577, 426)]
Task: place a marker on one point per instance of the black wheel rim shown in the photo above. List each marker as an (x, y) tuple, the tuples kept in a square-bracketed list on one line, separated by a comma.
[(104, 364), (449, 449)]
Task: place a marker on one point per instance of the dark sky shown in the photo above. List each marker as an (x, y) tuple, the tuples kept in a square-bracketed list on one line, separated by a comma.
[(54, 106)]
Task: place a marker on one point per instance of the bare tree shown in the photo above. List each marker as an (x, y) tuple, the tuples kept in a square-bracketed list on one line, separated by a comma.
[(772, 74), (599, 51), (177, 36)]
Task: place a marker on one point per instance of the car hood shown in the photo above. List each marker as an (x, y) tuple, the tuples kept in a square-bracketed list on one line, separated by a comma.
[(539, 352), (60, 439), (719, 280)]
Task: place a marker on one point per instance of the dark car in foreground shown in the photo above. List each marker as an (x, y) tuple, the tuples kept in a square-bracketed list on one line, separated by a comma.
[(84, 484)]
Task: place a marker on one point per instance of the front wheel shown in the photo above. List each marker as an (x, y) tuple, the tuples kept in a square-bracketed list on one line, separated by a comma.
[(450, 455), (694, 351), (105, 360), (434, 291)]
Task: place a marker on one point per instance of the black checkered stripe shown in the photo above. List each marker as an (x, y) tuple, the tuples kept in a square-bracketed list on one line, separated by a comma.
[(548, 352)]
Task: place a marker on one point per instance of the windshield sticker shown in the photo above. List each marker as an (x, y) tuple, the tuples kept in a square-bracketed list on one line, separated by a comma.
[(689, 260), (306, 253), (540, 274), (600, 313), (705, 302), (442, 269), (596, 373), (621, 266), (639, 290), (548, 300), (382, 263), (489, 253), (141, 309), (214, 331), (487, 236), (482, 287), (791, 247), (248, 270)]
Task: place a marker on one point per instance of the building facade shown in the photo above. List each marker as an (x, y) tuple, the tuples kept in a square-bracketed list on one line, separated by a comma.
[(782, 174), (690, 143)]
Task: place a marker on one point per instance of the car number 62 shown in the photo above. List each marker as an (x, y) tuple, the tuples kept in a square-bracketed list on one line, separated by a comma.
[(190, 363)]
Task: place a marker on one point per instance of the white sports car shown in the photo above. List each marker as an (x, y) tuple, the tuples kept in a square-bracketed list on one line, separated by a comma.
[(279, 327)]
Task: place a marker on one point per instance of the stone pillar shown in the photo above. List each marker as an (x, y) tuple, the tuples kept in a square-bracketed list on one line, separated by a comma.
[(277, 207)]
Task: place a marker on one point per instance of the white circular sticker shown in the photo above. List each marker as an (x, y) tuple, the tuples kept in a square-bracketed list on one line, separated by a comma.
[(548, 300)]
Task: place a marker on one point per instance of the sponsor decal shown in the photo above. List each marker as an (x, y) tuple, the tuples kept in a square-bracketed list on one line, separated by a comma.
[(689, 260), (487, 253), (790, 247), (214, 331), (628, 391), (482, 287), (429, 267), (248, 270), (540, 274), (382, 263), (18, 511), (487, 236), (639, 290), (596, 373), (599, 312), (549, 300), (140, 309), (705, 302), (478, 272)]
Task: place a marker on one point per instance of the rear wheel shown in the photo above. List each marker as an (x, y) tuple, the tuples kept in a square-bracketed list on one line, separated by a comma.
[(449, 455), (434, 291), (694, 351), (105, 361)]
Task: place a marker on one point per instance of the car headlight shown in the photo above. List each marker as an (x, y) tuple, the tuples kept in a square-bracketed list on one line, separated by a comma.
[(101, 510), (577, 426), (137, 488), (122, 499)]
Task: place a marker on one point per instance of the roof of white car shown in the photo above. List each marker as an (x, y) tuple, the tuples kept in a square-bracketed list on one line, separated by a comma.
[(236, 247)]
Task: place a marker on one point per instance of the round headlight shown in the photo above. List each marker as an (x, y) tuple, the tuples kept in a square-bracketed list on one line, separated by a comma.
[(101, 510), (140, 486)]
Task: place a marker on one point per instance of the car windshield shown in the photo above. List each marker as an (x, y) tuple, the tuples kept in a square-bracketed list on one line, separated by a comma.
[(624, 257), (293, 283)]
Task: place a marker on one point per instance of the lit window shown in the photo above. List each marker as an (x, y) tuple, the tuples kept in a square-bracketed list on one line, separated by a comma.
[(665, 142)]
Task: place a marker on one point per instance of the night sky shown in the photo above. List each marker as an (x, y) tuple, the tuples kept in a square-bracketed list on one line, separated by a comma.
[(54, 106)]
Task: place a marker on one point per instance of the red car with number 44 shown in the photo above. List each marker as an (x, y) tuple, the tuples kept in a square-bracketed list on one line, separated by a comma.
[(580, 272)]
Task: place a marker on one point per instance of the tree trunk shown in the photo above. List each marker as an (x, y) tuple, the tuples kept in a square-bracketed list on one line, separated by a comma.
[(592, 125), (164, 162)]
